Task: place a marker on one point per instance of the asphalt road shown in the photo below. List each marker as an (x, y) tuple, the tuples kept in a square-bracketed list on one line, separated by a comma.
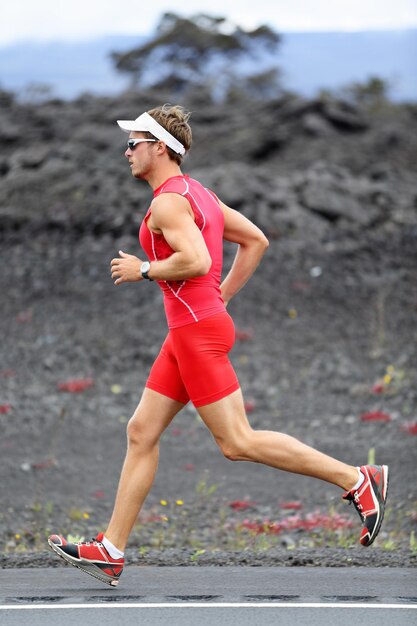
[(211, 595)]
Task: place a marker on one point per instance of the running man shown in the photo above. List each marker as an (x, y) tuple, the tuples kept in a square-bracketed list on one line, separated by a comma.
[(182, 235)]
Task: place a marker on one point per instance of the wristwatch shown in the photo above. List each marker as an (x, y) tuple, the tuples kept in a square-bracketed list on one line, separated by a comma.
[(144, 269)]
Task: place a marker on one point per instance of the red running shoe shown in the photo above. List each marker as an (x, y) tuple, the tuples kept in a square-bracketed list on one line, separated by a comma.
[(369, 500), (92, 557)]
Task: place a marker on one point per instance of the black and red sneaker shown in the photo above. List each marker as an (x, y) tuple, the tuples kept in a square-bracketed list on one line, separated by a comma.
[(89, 556), (369, 500)]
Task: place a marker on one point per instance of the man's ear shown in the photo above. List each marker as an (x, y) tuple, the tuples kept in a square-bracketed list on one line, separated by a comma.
[(161, 147)]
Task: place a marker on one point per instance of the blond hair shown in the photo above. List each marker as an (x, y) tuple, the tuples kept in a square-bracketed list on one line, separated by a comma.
[(174, 118)]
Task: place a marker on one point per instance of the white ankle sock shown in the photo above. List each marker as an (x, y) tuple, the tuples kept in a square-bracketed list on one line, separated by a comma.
[(360, 480), (114, 552)]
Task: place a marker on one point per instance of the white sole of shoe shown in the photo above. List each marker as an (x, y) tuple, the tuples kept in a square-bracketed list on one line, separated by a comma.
[(85, 566)]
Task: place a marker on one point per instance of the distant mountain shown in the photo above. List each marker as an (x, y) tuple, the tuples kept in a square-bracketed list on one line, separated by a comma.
[(70, 68), (312, 61), (309, 62)]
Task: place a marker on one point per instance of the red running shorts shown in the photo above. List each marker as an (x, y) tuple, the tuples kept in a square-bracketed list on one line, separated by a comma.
[(193, 363)]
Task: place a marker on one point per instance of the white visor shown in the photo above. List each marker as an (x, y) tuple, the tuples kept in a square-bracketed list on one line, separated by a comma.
[(146, 123)]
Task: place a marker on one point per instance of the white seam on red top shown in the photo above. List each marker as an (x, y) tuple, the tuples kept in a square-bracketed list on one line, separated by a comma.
[(166, 282), (198, 207), (183, 301), (153, 243), (185, 193), (212, 194), (187, 186)]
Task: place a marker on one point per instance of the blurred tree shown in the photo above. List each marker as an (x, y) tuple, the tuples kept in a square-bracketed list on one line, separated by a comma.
[(201, 50), (37, 93), (7, 98), (372, 93), (262, 86)]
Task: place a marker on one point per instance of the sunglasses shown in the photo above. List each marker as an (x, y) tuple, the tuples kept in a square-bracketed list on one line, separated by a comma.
[(132, 143)]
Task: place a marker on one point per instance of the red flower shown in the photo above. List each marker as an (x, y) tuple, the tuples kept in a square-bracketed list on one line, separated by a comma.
[(378, 388), (300, 286), (150, 519), (241, 505), (24, 316), (256, 527), (44, 464), (375, 416), (250, 406), (5, 408), (7, 373), (295, 505), (295, 522), (410, 428), (244, 335), (76, 385)]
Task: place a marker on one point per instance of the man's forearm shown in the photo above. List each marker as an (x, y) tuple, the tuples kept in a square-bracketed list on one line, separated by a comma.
[(244, 265), (178, 266)]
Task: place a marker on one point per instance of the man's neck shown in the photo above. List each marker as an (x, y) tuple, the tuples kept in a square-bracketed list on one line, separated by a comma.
[(157, 178)]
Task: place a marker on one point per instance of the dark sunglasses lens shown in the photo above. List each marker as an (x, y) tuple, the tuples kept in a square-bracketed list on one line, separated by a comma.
[(131, 144)]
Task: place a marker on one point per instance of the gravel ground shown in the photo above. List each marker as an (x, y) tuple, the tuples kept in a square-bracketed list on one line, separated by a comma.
[(326, 352)]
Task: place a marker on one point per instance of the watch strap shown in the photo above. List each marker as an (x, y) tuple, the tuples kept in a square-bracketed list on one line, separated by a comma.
[(145, 273)]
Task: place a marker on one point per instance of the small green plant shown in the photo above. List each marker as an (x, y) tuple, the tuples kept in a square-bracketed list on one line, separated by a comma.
[(194, 557), (75, 538), (371, 456), (389, 544), (205, 490), (413, 541), (49, 507), (76, 515)]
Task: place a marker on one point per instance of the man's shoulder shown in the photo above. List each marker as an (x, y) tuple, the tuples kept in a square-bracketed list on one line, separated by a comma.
[(162, 206)]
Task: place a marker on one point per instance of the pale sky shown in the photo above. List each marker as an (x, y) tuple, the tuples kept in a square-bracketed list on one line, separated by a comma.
[(45, 20)]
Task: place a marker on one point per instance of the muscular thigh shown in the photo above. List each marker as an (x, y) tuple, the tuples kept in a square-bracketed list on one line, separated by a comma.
[(226, 419), (153, 414)]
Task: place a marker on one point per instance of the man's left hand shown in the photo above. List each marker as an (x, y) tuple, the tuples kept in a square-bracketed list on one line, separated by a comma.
[(126, 269)]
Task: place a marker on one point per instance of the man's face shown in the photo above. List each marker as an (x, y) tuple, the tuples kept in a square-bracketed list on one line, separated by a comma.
[(140, 154)]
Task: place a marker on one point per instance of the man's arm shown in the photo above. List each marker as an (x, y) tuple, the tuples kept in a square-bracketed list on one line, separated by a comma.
[(173, 217), (252, 246)]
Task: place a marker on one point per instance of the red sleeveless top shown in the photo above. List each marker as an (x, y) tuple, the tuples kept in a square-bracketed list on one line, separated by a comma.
[(191, 300)]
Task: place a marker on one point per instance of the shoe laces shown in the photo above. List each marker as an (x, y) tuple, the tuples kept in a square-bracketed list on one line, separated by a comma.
[(93, 542), (357, 504)]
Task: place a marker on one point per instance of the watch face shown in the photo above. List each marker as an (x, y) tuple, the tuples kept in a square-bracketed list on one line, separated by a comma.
[(145, 267)]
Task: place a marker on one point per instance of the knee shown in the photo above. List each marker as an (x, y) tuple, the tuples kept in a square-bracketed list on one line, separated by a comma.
[(231, 454), (237, 449), (139, 435)]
